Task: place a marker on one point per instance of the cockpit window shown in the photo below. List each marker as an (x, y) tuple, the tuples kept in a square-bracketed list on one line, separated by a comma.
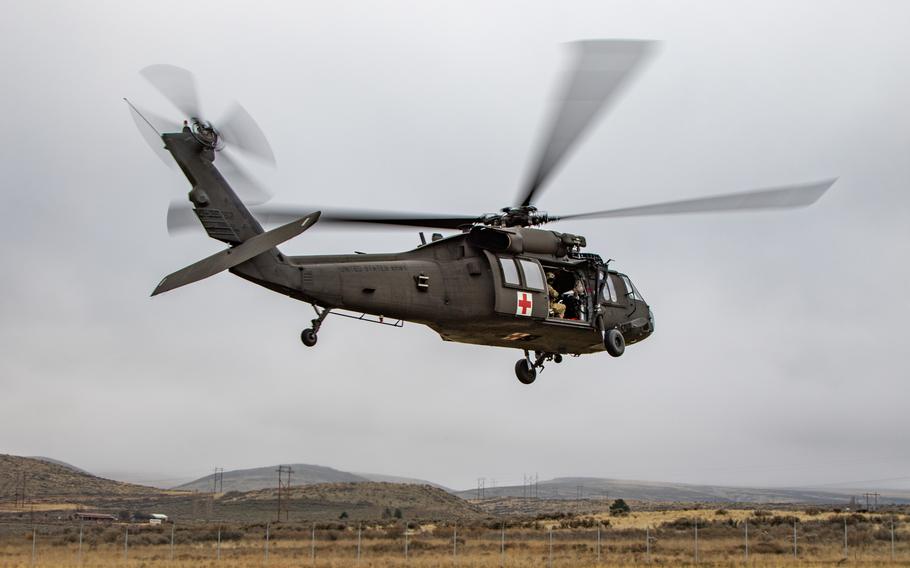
[(631, 289), (533, 274), (609, 291), (509, 271)]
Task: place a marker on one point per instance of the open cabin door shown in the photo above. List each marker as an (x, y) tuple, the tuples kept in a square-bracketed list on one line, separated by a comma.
[(520, 286)]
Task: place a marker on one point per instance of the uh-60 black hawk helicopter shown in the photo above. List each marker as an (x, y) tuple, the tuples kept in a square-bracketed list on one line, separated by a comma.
[(500, 281)]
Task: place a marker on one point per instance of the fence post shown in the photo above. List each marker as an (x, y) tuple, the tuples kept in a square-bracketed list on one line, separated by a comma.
[(313, 545), (795, 553), (648, 542), (406, 525), (126, 545), (267, 527), (846, 554), (34, 544), (218, 545), (173, 527), (892, 538), (454, 543), (550, 554), (359, 536), (598, 543), (502, 544), (80, 543), (696, 541), (747, 539)]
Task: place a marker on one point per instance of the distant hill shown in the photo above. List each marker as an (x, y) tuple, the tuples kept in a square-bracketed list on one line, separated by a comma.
[(398, 479), (303, 474), (267, 477), (360, 500), (63, 463), (569, 488), (49, 482)]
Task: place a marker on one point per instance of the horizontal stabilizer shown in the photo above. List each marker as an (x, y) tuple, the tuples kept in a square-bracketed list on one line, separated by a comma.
[(236, 255)]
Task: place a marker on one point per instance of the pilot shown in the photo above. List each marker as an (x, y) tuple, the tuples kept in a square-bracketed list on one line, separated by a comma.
[(557, 309)]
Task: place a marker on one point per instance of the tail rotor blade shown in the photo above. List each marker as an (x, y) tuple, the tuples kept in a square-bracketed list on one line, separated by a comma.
[(240, 131), (177, 85), (245, 185), (786, 197), (600, 71)]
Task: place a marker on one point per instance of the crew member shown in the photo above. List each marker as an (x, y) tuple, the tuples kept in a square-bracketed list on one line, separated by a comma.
[(557, 309)]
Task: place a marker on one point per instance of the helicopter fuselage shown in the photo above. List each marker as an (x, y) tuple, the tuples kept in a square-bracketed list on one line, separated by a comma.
[(463, 292)]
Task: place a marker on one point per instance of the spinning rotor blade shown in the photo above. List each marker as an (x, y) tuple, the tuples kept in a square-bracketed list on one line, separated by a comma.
[(239, 131), (177, 85), (247, 188), (774, 198), (180, 217), (151, 126), (601, 69)]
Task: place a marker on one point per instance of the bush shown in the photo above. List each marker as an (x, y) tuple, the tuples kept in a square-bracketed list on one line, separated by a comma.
[(619, 507)]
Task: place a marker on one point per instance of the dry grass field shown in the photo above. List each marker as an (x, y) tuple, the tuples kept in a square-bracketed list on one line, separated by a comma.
[(565, 542)]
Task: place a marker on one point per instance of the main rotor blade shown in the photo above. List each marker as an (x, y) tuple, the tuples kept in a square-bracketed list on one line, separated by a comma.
[(244, 185), (180, 217), (177, 85), (238, 130), (601, 69), (774, 198)]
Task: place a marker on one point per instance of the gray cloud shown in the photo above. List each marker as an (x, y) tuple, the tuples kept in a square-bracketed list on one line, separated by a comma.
[(778, 355)]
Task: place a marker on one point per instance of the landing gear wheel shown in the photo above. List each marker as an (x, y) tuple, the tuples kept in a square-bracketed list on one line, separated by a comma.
[(525, 371), (308, 337), (614, 342), (557, 358)]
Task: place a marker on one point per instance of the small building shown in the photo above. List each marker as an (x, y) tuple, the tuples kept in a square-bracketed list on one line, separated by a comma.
[(157, 519), (94, 517)]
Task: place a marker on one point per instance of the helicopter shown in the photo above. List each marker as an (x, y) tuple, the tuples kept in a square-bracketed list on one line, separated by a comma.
[(500, 280)]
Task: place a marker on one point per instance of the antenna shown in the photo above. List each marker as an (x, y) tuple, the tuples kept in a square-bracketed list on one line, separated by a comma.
[(136, 110)]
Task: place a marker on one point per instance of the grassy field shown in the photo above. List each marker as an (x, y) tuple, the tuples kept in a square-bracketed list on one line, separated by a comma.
[(570, 541)]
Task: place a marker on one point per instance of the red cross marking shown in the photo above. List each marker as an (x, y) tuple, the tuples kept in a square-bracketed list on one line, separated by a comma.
[(524, 304)]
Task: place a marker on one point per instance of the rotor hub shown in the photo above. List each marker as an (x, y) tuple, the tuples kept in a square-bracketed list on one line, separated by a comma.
[(523, 216), (205, 134)]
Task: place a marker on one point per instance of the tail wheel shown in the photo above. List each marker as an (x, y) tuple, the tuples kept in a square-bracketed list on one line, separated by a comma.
[(525, 372), (308, 337), (614, 342)]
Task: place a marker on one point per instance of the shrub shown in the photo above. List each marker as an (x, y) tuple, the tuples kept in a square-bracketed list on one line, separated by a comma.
[(619, 507)]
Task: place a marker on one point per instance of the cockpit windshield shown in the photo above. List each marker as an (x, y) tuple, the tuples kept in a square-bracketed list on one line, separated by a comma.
[(632, 290)]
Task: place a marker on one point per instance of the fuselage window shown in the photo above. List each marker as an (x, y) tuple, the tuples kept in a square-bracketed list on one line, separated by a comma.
[(533, 274), (509, 272)]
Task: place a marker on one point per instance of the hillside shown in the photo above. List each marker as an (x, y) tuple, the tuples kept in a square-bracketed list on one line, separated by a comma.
[(266, 477), (360, 500), (303, 474), (47, 482), (569, 488)]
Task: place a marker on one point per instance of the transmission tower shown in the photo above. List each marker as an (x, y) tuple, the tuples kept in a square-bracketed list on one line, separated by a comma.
[(284, 489), (218, 480)]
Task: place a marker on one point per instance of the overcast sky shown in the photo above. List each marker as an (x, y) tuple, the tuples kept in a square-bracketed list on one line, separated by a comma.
[(780, 356)]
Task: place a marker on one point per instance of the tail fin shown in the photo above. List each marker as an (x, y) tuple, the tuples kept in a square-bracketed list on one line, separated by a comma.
[(239, 254), (219, 209)]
